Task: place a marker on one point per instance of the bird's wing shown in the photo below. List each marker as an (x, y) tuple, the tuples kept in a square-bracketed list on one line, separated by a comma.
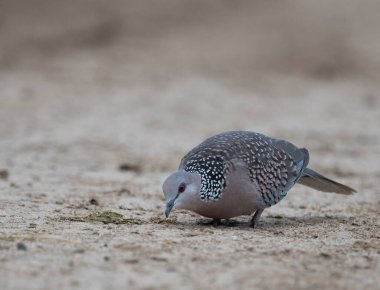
[(275, 167)]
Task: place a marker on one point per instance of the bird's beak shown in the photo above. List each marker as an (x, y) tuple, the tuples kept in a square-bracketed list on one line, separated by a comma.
[(169, 206)]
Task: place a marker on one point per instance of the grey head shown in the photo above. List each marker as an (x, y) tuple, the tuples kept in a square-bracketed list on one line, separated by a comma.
[(181, 190)]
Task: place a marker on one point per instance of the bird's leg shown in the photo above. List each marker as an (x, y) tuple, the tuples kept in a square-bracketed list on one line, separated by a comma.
[(216, 222), (256, 217), (230, 223)]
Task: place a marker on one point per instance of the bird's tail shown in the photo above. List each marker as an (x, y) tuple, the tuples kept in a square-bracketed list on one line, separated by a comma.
[(317, 181)]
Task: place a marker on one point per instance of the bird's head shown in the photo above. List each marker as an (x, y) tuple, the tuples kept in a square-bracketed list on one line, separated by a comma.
[(181, 190)]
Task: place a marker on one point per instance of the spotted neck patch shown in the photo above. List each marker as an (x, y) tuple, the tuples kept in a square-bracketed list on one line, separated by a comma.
[(213, 174)]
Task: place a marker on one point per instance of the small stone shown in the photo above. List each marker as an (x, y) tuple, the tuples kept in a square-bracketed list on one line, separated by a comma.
[(4, 174), (131, 261), (123, 190), (21, 246), (159, 259), (129, 167), (79, 251), (325, 255), (94, 201)]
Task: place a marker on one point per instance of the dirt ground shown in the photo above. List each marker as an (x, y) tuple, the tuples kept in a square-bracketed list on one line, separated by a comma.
[(89, 131)]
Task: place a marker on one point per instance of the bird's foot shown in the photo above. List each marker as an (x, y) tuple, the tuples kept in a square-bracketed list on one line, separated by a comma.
[(230, 223), (215, 223), (218, 222), (256, 217)]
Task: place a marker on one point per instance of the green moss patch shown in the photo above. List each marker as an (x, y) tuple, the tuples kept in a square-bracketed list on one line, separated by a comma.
[(163, 220), (105, 217)]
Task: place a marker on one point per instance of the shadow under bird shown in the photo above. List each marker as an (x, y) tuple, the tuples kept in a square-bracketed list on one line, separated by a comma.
[(241, 173)]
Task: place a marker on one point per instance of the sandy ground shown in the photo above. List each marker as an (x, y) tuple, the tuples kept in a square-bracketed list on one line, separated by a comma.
[(88, 131)]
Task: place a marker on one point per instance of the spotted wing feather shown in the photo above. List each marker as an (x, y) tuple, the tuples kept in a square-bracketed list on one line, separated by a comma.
[(278, 169)]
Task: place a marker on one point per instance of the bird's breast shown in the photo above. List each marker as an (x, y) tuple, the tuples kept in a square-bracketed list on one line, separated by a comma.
[(240, 197)]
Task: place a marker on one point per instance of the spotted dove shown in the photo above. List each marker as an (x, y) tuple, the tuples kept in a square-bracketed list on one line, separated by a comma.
[(241, 173)]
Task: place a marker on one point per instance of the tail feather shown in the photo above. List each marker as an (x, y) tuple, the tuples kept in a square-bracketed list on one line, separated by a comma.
[(317, 181)]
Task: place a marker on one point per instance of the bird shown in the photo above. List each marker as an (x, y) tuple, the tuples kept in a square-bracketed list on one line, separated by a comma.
[(239, 173)]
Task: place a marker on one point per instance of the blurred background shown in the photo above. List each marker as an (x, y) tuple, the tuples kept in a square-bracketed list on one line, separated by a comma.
[(184, 68), (171, 72), (157, 41)]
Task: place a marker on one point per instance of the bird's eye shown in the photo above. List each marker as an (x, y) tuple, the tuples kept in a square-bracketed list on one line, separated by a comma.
[(181, 188)]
